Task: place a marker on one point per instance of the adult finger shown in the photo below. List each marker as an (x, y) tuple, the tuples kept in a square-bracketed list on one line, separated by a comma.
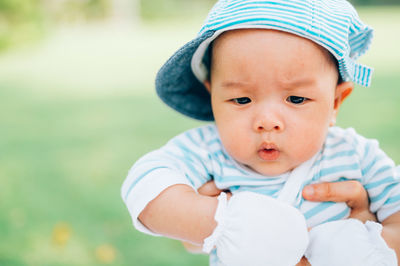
[(351, 192), (209, 189)]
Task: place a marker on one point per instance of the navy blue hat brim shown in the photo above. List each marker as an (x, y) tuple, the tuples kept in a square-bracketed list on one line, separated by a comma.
[(178, 87)]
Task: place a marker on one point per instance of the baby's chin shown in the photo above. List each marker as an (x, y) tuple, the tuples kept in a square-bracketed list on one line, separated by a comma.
[(271, 171)]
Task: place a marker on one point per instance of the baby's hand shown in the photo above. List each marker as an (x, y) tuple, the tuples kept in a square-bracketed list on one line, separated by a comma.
[(349, 242), (255, 229)]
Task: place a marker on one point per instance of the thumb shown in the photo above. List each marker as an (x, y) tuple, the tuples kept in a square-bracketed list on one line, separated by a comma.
[(209, 189)]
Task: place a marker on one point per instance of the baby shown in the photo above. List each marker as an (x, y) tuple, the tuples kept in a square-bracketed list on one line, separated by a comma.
[(273, 75)]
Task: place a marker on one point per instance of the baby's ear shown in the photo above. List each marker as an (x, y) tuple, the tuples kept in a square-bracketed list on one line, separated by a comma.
[(207, 84), (343, 90)]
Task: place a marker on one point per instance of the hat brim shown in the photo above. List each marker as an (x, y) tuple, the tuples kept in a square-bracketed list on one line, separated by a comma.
[(179, 88)]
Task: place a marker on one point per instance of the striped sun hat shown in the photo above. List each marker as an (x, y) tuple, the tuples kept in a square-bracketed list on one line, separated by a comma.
[(333, 24)]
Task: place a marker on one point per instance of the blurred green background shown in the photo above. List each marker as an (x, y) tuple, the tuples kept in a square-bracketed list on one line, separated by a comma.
[(78, 108)]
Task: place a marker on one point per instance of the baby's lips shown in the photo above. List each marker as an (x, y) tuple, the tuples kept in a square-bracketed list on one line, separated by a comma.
[(268, 146), (268, 154)]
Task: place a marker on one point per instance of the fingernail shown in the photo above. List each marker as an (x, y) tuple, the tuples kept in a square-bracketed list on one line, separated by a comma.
[(309, 191)]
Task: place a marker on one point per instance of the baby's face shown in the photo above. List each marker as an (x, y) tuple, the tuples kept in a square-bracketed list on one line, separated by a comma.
[(273, 98)]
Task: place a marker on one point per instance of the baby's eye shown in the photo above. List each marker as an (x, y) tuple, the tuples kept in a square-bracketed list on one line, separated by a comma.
[(241, 100), (296, 99)]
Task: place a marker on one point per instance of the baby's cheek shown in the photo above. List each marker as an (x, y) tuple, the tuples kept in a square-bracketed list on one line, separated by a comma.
[(237, 145), (310, 146), (304, 152), (238, 151)]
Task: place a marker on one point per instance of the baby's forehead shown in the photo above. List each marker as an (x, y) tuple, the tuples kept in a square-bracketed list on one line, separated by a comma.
[(234, 40)]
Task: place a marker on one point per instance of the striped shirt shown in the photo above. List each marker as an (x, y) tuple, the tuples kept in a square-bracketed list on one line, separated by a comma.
[(197, 156)]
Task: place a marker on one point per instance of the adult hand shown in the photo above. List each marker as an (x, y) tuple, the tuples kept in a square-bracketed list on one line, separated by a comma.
[(351, 192)]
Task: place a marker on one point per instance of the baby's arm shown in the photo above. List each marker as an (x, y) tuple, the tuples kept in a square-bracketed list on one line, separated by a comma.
[(208, 189), (180, 213), (244, 225), (160, 189), (391, 233)]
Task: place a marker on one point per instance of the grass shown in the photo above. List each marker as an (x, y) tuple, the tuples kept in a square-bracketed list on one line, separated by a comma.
[(79, 108)]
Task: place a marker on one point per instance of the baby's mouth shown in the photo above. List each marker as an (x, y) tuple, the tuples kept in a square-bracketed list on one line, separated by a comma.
[(269, 152)]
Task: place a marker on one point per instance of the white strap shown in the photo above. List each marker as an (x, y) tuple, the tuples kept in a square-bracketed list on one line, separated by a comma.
[(296, 179)]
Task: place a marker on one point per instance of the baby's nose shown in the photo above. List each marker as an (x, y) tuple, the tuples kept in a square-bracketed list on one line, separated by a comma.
[(268, 121)]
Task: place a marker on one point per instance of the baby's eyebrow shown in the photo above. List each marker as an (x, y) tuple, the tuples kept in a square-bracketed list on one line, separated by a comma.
[(235, 84), (298, 83), (287, 85)]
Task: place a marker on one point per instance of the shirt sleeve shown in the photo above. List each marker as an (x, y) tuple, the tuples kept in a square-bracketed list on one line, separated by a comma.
[(381, 178), (183, 160)]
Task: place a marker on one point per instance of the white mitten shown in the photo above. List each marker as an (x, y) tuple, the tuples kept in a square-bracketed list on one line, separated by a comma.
[(349, 242), (254, 229)]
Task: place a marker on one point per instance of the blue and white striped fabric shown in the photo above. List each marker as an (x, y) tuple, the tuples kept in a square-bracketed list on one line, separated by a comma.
[(197, 156), (333, 24)]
